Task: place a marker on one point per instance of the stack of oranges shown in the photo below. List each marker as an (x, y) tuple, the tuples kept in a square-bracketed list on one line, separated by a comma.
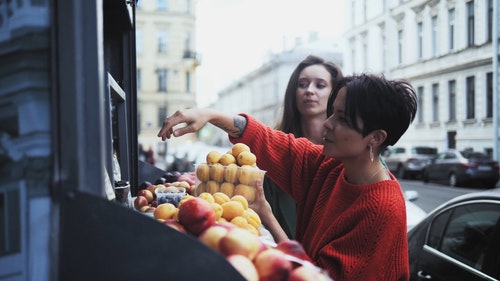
[(227, 209), (232, 173)]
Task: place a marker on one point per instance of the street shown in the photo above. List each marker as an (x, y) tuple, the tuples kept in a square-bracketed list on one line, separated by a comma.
[(431, 195)]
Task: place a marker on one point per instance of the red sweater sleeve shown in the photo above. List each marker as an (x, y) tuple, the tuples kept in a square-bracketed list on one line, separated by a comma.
[(298, 158)]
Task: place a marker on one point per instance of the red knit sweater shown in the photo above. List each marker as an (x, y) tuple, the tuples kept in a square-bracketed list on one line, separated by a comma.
[(356, 232)]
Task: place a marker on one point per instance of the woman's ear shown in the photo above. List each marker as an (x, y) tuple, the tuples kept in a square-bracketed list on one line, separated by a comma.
[(378, 137)]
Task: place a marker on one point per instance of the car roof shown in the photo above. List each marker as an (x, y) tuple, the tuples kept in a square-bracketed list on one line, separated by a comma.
[(491, 194)]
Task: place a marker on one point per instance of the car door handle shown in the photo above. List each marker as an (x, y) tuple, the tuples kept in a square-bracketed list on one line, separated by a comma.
[(422, 275)]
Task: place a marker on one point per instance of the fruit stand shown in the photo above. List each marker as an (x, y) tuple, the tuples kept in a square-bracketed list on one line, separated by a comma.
[(69, 160)]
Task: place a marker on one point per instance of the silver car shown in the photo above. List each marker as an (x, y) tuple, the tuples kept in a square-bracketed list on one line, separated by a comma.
[(408, 162)]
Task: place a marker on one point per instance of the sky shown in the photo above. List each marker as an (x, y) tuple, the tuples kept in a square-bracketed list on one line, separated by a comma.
[(234, 36)]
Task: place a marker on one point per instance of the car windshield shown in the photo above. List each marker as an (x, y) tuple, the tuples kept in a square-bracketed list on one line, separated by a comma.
[(475, 155)]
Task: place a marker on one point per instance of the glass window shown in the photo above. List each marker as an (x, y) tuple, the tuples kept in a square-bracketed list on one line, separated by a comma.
[(490, 20), (471, 234), (434, 36), (138, 40), (452, 95), (420, 108), (489, 95), (162, 74), (162, 4), (420, 40), (162, 41), (470, 98), (470, 23), (451, 29), (435, 102), (139, 79)]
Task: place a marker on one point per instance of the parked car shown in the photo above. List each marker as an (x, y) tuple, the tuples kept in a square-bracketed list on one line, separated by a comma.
[(408, 162), (414, 214), (459, 168), (459, 240)]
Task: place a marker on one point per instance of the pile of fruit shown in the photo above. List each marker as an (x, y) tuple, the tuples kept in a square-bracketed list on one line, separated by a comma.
[(228, 226), (233, 173)]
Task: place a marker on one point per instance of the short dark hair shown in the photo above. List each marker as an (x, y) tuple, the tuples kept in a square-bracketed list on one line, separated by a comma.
[(388, 105)]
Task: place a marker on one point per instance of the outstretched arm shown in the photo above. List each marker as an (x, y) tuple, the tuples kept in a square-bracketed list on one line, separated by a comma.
[(262, 207), (196, 118)]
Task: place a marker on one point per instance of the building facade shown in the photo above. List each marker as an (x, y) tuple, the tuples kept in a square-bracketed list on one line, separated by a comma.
[(166, 67), (444, 48)]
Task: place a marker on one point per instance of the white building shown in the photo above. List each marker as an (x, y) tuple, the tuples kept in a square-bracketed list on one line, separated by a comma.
[(444, 48), (166, 67)]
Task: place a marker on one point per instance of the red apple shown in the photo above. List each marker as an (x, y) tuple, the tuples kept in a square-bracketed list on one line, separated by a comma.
[(140, 201), (196, 215), (146, 193), (152, 188), (272, 264), (293, 248), (187, 178), (175, 225)]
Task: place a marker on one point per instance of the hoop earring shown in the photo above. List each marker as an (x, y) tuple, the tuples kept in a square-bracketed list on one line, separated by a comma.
[(371, 153)]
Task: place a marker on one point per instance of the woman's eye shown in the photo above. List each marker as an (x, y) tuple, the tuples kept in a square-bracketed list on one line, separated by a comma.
[(303, 85)]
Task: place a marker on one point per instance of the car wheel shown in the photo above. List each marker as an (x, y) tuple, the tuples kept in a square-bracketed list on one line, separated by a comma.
[(452, 180), (400, 172)]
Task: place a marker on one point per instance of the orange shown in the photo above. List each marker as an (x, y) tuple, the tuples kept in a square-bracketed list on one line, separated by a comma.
[(241, 199), (227, 159), (227, 188), (232, 209), (213, 157), (165, 211), (246, 158), (207, 196), (221, 197), (240, 221), (238, 148), (218, 210), (203, 172)]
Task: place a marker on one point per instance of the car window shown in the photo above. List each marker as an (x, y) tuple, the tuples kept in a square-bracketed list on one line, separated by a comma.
[(399, 150), (469, 234), (424, 150), (450, 155)]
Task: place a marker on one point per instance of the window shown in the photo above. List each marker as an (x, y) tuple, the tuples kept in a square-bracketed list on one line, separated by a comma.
[(470, 97), (470, 235), (489, 95), (187, 41), (452, 102), (188, 6), (435, 102), (162, 74), (162, 114), (162, 4), (490, 20), (420, 93), (138, 40), (400, 46), (451, 29), (162, 41), (188, 81), (139, 79), (470, 23), (420, 40), (434, 35)]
